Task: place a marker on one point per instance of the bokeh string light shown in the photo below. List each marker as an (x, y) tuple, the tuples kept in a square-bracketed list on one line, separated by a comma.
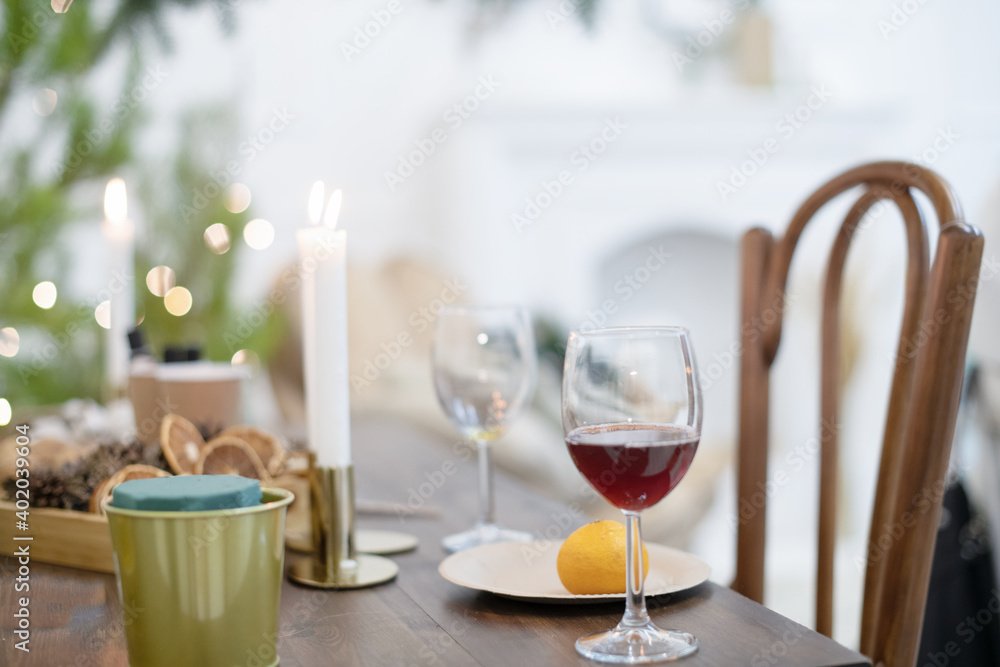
[(44, 295), (236, 198), (160, 280), (259, 234), (10, 341), (248, 360), (217, 238), (45, 102), (178, 301), (102, 313)]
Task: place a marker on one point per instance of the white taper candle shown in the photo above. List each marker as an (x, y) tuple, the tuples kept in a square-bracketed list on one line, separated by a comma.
[(323, 265)]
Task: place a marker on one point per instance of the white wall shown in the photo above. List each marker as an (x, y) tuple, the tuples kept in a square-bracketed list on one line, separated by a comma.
[(353, 119)]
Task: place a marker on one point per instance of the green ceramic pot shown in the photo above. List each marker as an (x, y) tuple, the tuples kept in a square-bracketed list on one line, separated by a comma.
[(201, 589)]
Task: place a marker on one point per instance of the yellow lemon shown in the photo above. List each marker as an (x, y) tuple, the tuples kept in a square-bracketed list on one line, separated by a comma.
[(592, 560)]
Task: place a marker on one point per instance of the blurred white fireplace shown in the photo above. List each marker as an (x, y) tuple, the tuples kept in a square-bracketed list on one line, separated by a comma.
[(663, 169)]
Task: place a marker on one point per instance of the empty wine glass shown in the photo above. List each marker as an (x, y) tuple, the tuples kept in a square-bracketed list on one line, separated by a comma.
[(485, 367), (631, 410)]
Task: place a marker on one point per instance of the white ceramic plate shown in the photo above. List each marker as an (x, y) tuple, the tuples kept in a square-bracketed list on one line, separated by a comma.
[(527, 571)]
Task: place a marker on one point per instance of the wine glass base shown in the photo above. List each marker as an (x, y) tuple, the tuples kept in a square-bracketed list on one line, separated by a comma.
[(489, 533), (637, 645)]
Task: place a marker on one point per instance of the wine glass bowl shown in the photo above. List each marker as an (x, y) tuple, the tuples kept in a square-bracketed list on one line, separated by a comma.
[(485, 368), (631, 410)]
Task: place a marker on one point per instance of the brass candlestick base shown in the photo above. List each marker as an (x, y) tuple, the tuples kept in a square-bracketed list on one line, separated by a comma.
[(335, 564)]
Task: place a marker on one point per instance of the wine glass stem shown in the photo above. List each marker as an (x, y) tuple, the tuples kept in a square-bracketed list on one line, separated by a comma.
[(486, 506), (635, 600)]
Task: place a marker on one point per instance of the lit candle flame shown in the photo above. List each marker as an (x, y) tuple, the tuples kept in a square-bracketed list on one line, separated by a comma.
[(333, 209), (115, 201), (316, 196)]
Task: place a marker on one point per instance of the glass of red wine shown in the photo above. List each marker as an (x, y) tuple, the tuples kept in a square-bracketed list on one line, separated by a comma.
[(631, 411)]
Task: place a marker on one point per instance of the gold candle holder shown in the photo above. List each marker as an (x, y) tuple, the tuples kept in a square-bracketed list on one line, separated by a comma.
[(335, 565)]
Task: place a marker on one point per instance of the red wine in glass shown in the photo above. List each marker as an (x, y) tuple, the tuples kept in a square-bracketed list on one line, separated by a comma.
[(633, 465), (631, 413)]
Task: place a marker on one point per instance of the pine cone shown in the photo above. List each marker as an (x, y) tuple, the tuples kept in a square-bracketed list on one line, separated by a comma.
[(48, 489), (71, 486)]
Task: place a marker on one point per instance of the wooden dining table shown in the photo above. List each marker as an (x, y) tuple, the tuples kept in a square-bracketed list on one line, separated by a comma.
[(419, 619)]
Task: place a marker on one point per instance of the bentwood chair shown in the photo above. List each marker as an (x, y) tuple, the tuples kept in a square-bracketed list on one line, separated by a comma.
[(923, 400)]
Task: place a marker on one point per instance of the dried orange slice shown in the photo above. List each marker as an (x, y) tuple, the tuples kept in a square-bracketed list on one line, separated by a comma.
[(182, 444), (126, 474), (268, 447), (231, 456)]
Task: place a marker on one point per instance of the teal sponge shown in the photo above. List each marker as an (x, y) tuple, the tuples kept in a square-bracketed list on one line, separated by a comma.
[(187, 493)]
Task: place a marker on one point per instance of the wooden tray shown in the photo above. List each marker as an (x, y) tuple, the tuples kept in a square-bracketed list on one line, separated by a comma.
[(60, 537), (82, 539)]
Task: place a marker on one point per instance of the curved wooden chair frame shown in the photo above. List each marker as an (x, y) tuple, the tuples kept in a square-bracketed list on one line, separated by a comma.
[(923, 400)]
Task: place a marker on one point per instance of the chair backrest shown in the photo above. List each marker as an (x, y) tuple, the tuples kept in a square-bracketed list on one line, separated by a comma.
[(923, 400)]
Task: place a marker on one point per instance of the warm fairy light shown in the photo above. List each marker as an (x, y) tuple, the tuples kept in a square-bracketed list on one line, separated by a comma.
[(115, 201), (10, 341), (316, 197), (45, 101), (117, 228), (248, 360), (217, 238), (160, 280), (5, 412), (103, 314), (178, 301), (44, 295), (259, 234), (236, 198), (333, 209)]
